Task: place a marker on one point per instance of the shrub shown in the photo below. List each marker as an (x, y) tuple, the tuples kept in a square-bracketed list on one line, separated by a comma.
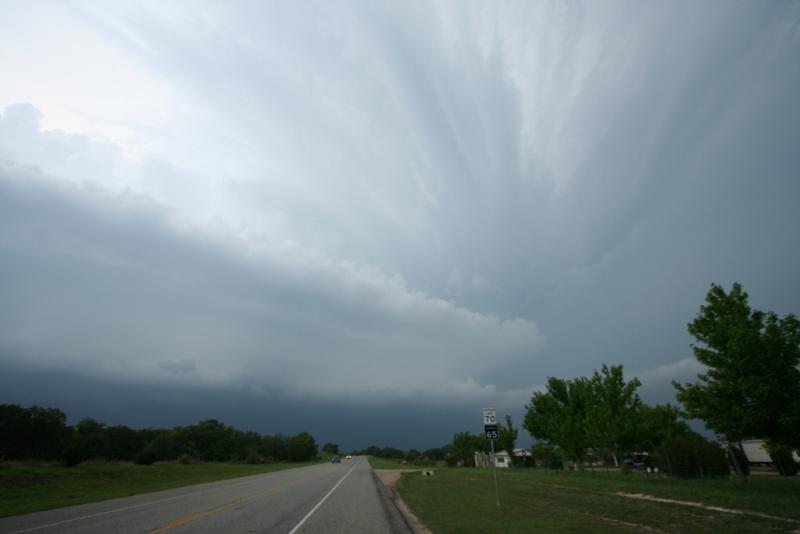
[(691, 456), (252, 458), (184, 459), (556, 464), (145, 456), (73, 454)]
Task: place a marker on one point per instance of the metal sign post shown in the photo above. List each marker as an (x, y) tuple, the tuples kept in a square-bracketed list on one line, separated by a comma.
[(490, 431)]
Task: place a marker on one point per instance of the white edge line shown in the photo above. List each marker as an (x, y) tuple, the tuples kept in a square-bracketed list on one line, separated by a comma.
[(309, 514)]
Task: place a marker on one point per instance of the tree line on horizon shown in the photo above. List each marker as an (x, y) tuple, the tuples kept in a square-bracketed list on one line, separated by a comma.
[(37, 433)]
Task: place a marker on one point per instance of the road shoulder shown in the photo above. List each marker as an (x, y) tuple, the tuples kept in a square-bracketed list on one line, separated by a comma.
[(385, 480)]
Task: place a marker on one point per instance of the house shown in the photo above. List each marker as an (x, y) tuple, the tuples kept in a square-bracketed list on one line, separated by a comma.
[(522, 453), (501, 460), (757, 453)]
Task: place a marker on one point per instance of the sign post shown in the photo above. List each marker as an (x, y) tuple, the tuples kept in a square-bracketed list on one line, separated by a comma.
[(490, 431)]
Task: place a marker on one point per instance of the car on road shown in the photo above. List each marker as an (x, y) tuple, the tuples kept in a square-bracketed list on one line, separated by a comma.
[(335, 459), (348, 457)]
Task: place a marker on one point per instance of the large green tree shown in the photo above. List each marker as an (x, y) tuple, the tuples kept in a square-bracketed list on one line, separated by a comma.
[(31, 433), (752, 384), (600, 412), (613, 416), (560, 415)]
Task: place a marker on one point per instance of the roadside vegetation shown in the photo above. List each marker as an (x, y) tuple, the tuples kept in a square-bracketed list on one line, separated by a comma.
[(751, 389), (45, 463), (31, 488), (392, 458), (604, 461), (535, 500), (42, 434), (393, 463)]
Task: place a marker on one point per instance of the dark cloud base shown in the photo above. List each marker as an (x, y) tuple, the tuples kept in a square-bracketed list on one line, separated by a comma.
[(352, 425)]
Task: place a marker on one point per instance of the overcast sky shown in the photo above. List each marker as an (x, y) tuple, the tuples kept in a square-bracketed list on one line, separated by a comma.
[(369, 220)]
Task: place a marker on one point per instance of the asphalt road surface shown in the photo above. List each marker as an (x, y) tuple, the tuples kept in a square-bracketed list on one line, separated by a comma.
[(330, 498)]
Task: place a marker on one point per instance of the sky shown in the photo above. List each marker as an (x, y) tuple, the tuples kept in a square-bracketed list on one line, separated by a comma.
[(369, 220)]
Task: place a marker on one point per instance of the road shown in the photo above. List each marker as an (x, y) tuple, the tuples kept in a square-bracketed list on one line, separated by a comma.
[(330, 498)]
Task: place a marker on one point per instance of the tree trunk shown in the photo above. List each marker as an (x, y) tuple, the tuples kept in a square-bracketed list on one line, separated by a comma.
[(699, 464), (736, 465), (781, 470)]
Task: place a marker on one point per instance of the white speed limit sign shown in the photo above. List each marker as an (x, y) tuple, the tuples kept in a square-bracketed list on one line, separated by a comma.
[(489, 416), (489, 423)]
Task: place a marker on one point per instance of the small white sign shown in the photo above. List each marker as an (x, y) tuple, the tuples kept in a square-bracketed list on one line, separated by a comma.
[(489, 416)]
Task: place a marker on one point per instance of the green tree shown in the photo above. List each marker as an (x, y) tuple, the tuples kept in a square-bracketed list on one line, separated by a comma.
[(273, 448), (301, 447), (507, 437), (437, 453), (560, 415), (543, 453), (412, 455), (123, 442), (465, 445), (330, 448), (690, 455), (752, 384), (31, 433), (656, 424), (91, 439), (612, 416), (391, 452)]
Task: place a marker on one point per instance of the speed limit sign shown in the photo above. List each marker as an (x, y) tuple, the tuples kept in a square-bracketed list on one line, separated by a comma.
[(490, 423), (490, 431), (489, 417)]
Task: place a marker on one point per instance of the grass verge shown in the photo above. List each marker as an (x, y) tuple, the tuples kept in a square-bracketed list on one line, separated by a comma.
[(386, 463), (25, 489), (463, 500)]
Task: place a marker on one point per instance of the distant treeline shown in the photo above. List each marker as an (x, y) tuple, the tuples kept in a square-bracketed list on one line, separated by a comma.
[(37, 433), (410, 455)]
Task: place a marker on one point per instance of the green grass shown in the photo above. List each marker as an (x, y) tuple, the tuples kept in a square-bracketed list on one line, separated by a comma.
[(386, 463), (25, 489), (463, 500)]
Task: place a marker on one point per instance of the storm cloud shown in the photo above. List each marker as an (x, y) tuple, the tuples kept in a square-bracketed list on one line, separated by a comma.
[(404, 212)]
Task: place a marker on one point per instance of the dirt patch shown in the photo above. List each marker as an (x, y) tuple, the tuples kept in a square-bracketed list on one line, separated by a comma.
[(389, 477), (627, 523), (652, 498)]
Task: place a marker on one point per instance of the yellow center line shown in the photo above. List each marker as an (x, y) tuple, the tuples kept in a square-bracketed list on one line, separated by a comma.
[(227, 506)]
